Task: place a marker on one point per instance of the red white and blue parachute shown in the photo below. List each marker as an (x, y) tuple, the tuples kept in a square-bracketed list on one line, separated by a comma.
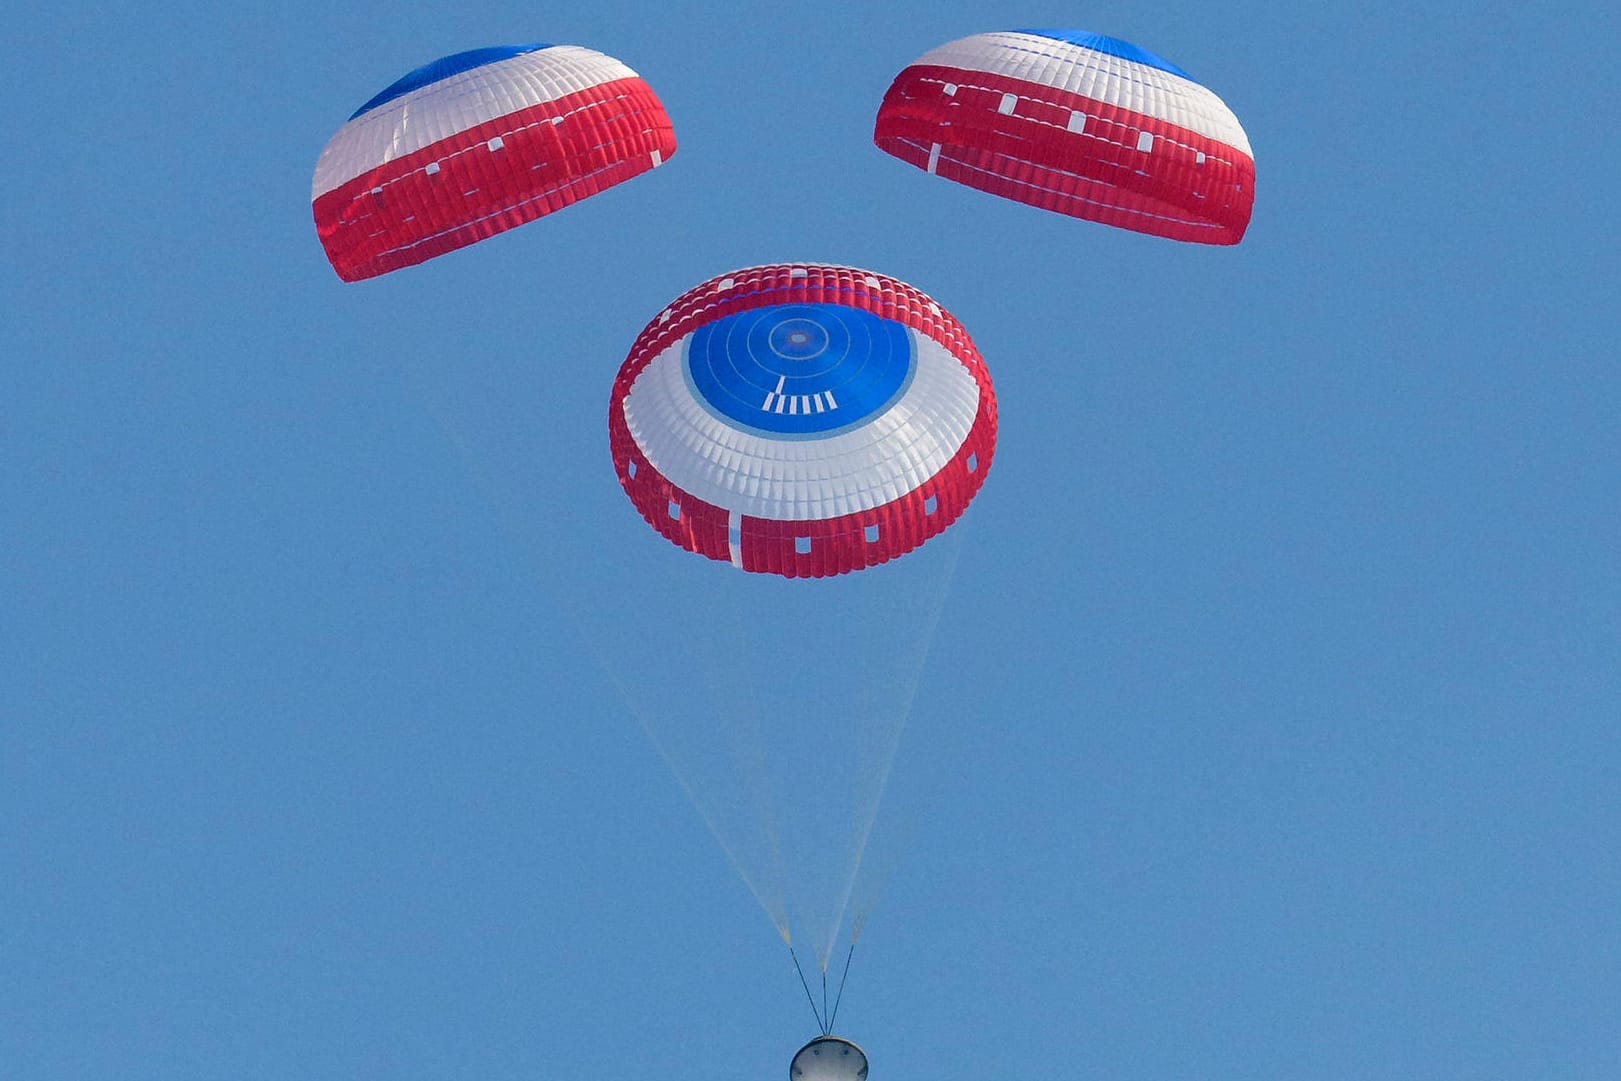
[(802, 420), (477, 143), (1081, 124)]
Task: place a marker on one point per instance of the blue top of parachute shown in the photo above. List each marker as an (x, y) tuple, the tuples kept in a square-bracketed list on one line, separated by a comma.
[(1103, 43), (444, 68), (800, 370)]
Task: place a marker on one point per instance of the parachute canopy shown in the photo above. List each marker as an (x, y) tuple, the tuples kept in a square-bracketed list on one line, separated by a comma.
[(802, 420), (1081, 124), (476, 143)]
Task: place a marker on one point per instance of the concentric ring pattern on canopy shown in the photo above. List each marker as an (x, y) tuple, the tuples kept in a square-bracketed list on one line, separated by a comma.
[(476, 143), (801, 419), (1081, 124)]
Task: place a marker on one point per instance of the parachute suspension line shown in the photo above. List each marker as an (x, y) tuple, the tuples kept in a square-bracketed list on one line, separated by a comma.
[(838, 998), (598, 643), (827, 1025), (808, 996), (765, 885), (867, 815), (748, 753), (777, 911)]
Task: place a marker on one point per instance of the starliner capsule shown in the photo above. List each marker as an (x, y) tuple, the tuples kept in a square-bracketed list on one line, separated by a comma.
[(828, 1058), (802, 419)]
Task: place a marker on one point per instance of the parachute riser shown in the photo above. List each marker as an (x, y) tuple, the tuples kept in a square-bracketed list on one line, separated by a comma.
[(824, 1016), (808, 996)]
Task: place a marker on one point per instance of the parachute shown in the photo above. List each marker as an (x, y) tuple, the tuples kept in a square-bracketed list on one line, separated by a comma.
[(1081, 124), (802, 420), (476, 143)]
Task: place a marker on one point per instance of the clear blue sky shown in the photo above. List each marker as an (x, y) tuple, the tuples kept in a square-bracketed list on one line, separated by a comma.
[(1271, 730)]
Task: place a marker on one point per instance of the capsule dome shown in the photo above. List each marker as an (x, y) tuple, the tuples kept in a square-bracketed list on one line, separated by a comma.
[(829, 1058)]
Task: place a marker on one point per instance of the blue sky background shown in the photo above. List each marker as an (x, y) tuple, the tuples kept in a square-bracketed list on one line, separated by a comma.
[(1271, 729)]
